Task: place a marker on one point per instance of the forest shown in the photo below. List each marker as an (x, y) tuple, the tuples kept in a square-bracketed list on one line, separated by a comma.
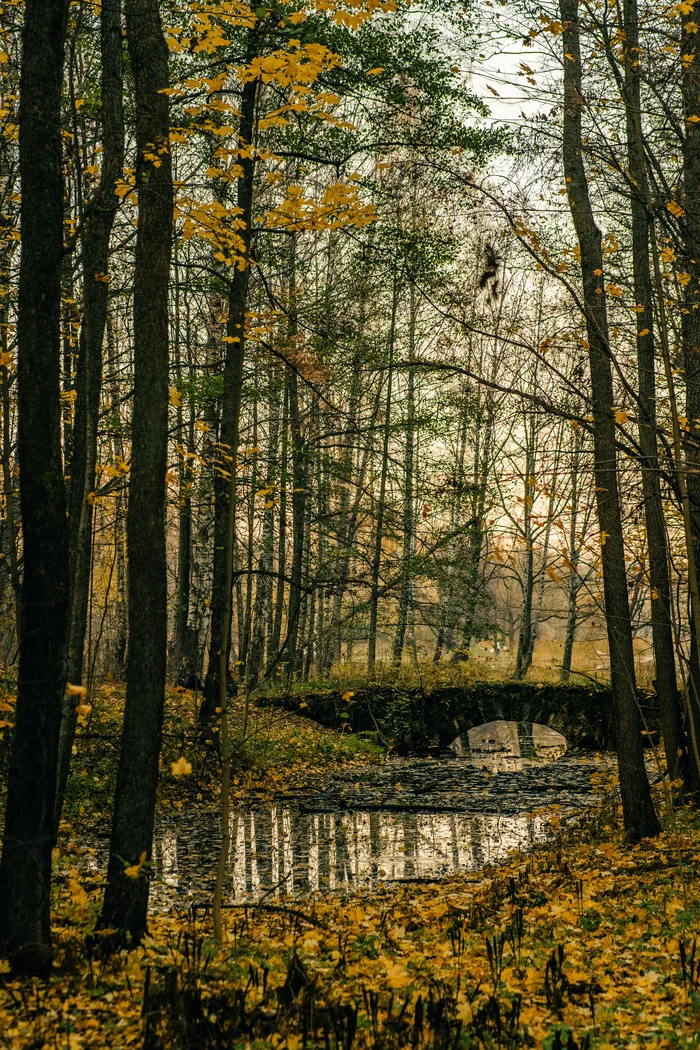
[(349, 396)]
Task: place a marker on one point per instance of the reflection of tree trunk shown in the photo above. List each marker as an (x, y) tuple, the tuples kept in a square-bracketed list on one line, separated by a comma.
[(639, 816)]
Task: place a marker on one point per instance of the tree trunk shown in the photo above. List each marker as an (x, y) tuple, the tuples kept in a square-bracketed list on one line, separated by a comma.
[(677, 757), (639, 817), (406, 592), (573, 558), (273, 649), (690, 314), (263, 587), (379, 516), (25, 869), (125, 905), (231, 404), (95, 261)]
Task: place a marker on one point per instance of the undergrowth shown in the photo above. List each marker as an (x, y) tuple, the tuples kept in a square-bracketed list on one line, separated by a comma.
[(586, 942)]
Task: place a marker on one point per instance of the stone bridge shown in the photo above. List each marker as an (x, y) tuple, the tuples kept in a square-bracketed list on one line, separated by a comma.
[(411, 720)]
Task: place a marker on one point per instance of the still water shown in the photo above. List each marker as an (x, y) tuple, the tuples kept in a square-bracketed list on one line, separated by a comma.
[(404, 820), (279, 850)]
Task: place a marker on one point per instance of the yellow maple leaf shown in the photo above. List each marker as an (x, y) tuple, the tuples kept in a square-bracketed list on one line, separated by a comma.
[(181, 768), (75, 690)]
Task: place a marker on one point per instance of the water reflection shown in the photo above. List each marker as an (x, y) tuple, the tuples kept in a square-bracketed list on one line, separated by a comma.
[(280, 850)]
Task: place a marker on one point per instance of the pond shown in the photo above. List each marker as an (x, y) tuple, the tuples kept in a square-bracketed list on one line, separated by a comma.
[(406, 819)]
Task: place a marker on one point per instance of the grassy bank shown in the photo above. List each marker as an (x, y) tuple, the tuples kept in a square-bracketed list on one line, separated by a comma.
[(585, 942), (280, 752)]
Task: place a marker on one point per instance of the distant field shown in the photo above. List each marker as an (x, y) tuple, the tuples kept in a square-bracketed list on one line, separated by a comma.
[(590, 660)]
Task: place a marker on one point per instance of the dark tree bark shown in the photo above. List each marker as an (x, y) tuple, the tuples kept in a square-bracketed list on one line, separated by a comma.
[(678, 761), (639, 817), (230, 405), (126, 898), (690, 315), (96, 237), (25, 869)]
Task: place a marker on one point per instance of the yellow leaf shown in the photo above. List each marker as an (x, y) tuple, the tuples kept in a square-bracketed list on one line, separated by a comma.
[(375, 72), (132, 871), (675, 209), (614, 290), (84, 709), (348, 695), (181, 768), (174, 396), (621, 416), (75, 690)]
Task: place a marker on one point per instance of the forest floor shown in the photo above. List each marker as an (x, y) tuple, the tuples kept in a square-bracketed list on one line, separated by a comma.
[(586, 941)]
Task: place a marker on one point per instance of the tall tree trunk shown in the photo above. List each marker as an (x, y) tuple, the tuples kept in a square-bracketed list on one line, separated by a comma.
[(299, 454), (299, 500), (678, 761), (184, 654), (690, 319), (125, 905), (639, 817), (574, 555), (524, 637), (273, 648), (25, 869), (263, 589), (406, 592), (95, 261), (8, 483), (231, 402), (379, 516)]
